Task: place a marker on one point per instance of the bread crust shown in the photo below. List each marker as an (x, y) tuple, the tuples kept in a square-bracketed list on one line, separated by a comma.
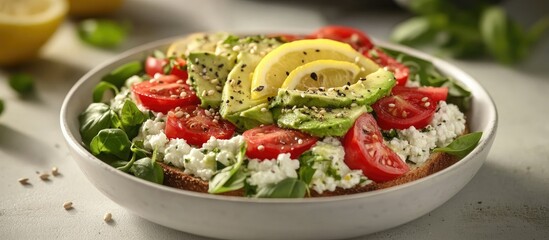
[(174, 177)]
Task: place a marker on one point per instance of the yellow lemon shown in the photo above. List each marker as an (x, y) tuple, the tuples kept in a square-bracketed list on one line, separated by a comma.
[(25, 25), (276, 66), (92, 8), (322, 73)]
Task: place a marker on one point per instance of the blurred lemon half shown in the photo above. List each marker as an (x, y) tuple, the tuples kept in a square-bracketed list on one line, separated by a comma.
[(93, 8), (25, 25)]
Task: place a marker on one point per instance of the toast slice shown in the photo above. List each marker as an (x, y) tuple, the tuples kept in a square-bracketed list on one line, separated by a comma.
[(174, 177)]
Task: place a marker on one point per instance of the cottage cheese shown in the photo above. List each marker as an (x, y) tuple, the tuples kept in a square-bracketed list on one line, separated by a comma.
[(415, 145), (264, 173)]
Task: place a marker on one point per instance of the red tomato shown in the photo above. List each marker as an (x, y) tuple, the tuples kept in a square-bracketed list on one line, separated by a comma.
[(403, 110), (267, 142), (164, 93), (400, 70), (354, 37), (196, 126), (365, 150), (436, 94), (156, 65)]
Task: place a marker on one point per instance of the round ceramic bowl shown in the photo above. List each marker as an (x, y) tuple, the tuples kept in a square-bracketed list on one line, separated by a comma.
[(247, 218)]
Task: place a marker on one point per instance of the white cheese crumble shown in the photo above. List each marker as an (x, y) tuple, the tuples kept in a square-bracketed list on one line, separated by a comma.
[(415, 145), (267, 172), (331, 170)]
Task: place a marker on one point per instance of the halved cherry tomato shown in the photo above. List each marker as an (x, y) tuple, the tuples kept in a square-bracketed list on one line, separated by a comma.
[(354, 37), (365, 150), (196, 126), (436, 94), (400, 70), (164, 93), (156, 65), (266, 142), (403, 110)]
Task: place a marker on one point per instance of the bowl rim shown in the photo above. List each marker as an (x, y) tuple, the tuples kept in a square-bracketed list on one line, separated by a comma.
[(465, 78)]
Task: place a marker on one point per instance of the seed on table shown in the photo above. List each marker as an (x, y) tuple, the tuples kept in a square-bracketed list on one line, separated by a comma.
[(44, 176), (54, 171), (107, 217), (24, 181), (67, 205)]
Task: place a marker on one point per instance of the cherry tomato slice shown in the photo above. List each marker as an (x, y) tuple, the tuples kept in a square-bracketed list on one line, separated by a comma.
[(196, 126), (436, 94), (365, 150), (354, 37), (266, 142), (404, 110), (400, 70), (164, 93), (156, 66)]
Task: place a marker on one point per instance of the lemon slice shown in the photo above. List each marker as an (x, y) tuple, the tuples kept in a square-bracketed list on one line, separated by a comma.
[(322, 73), (25, 25), (273, 69)]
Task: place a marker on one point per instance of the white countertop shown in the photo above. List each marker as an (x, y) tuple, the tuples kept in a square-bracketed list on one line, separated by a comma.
[(507, 199)]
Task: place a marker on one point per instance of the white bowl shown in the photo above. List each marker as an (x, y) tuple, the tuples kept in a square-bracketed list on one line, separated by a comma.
[(246, 218)]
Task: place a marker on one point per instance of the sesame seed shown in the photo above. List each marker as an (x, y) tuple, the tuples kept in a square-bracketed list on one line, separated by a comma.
[(236, 48), (215, 81), (264, 109), (260, 147), (354, 104), (44, 176), (300, 141), (24, 181), (180, 81), (157, 75), (179, 114), (427, 104), (189, 81), (392, 105), (218, 88), (107, 217), (183, 94), (54, 171), (204, 93), (174, 96), (424, 99), (357, 59), (211, 92), (67, 205), (404, 114), (354, 37)]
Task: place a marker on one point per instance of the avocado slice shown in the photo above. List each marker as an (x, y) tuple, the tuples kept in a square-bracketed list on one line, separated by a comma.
[(320, 122), (208, 73), (236, 103), (364, 92)]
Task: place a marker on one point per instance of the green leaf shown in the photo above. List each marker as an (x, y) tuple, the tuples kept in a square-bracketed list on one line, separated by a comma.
[(22, 83), (413, 31), (111, 142), (130, 115), (230, 178), (100, 90), (102, 33), (231, 39), (119, 75), (159, 54), (494, 31), (94, 119), (289, 188), (147, 169), (306, 170), (538, 29), (462, 145)]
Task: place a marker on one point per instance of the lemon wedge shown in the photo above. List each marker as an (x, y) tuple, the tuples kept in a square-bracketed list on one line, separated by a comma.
[(276, 66), (25, 25), (322, 73)]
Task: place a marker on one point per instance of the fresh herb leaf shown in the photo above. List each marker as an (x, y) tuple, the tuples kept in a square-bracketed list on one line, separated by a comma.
[(412, 31), (96, 117), (130, 115), (102, 33), (111, 142), (147, 169), (119, 75), (101, 88), (462, 145), (22, 83), (172, 62), (289, 188), (231, 39), (306, 170), (230, 178), (494, 30)]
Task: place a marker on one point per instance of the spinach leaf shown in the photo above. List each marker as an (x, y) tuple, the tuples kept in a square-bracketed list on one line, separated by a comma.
[(147, 169), (111, 142), (102, 33), (119, 75), (230, 178), (100, 90), (306, 170), (462, 145), (287, 188), (131, 118), (96, 117)]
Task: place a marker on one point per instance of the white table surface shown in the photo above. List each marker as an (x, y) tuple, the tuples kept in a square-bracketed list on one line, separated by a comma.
[(507, 199)]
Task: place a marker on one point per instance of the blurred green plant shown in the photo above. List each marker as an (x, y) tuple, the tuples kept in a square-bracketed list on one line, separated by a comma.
[(468, 29), (103, 33), (23, 83)]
